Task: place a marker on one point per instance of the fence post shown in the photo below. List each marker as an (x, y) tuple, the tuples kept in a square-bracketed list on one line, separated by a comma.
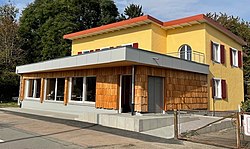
[(175, 124), (238, 130)]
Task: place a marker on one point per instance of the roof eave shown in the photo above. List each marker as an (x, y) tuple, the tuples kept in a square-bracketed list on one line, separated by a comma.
[(80, 34)]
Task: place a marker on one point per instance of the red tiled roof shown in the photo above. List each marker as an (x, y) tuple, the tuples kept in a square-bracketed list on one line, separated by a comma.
[(149, 19)]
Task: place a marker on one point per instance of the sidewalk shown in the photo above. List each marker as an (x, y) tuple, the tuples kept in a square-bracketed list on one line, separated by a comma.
[(86, 134)]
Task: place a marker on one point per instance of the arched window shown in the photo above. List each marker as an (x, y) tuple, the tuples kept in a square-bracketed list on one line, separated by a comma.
[(185, 52)]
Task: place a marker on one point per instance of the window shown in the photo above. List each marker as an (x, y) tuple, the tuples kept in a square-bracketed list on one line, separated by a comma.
[(234, 57), (132, 45), (216, 52), (60, 89), (55, 89), (50, 89), (218, 88), (185, 52), (82, 89), (33, 88), (77, 89), (90, 88)]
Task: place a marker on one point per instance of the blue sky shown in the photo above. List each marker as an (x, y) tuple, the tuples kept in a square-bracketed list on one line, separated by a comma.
[(173, 9)]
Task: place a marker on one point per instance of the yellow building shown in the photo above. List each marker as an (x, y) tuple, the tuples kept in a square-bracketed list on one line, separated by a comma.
[(176, 38), (141, 65)]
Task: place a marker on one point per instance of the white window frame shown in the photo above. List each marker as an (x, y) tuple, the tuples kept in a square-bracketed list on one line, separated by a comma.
[(55, 91), (27, 88), (185, 52), (217, 88), (216, 53), (84, 92), (235, 57)]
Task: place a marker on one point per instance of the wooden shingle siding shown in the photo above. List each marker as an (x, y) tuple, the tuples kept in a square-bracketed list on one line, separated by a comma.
[(182, 90)]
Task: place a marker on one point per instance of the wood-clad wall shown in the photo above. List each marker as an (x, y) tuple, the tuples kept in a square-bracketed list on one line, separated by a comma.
[(107, 83), (22, 89), (182, 90)]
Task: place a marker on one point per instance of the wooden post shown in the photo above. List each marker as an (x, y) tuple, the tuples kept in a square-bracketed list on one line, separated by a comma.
[(66, 88), (42, 90), (238, 130), (175, 124)]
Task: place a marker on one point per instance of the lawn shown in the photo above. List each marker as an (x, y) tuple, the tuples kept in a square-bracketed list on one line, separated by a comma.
[(8, 104)]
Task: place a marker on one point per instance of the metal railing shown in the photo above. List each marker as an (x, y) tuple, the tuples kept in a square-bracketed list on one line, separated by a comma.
[(191, 56)]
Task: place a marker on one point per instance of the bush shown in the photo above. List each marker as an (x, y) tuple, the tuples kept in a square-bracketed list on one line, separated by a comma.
[(9, 85), (245, 106)]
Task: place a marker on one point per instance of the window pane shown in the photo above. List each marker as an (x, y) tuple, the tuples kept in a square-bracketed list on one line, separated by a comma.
[(38, 88), (216, 52), (185, 52), (30, 88), (234, 57), (91, 88), (50, 89), (60, 89), (77, 89), (189, 53)]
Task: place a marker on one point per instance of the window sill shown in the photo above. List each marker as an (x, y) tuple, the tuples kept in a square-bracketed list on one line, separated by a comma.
[(218, 98), (234, 66), (54, 101), (216, 62), (30, 98), (81, 104)]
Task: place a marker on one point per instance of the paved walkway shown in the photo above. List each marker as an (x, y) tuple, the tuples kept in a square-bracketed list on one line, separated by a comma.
[(69, 133)]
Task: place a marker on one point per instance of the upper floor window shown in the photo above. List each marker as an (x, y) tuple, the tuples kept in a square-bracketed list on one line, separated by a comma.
[(235, 57), (216, 52), (234, 53), (185, 52)]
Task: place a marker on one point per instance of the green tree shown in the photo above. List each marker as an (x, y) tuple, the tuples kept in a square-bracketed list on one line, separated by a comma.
[(132, 11), (44, 22), (10, 52)]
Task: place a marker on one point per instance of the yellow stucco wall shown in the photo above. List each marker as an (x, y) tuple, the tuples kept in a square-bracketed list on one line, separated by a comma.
[(154, 38), (194, 36), (141, 35), (232, 75), (159, 36)]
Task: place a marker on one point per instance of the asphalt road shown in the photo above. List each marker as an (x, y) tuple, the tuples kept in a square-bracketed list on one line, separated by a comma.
[(27, 131)]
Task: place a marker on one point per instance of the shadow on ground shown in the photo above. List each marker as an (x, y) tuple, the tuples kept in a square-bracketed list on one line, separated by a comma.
[(90, 126)]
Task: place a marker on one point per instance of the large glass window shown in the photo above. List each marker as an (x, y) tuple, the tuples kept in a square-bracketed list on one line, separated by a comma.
[(185, 52), (60, 89), (50, 89), (91, 88), (33, 88), (77, 89), (55, 89)]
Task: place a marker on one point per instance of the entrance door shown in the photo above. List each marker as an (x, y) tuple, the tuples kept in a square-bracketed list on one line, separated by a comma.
[(155, 94), (126, 93)]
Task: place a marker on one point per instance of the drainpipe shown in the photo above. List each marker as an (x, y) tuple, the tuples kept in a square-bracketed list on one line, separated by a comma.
[(133, 90)]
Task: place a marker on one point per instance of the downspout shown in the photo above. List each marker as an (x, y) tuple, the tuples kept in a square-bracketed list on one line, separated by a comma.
[(133, 91)]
